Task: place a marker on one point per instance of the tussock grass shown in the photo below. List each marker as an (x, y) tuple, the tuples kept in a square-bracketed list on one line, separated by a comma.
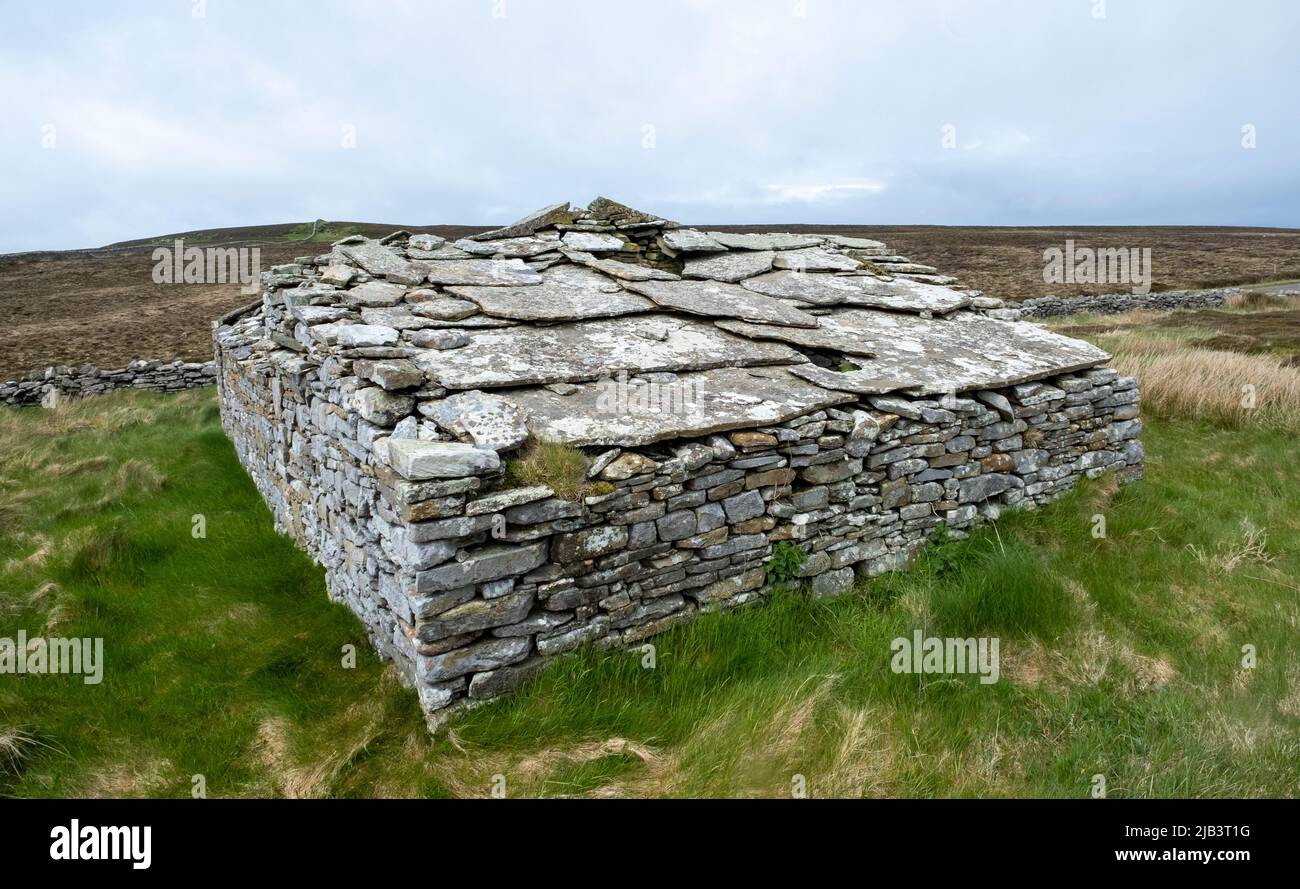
[(138, 477), (1120, 655), (108, 551), (18, 746), (1257, 300), (561, 467), (1181, 381)]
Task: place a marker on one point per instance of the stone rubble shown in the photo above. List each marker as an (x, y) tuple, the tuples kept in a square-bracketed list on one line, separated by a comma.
[(850, 429)]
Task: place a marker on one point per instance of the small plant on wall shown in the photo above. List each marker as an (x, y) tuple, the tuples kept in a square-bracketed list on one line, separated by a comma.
[(786, 559)]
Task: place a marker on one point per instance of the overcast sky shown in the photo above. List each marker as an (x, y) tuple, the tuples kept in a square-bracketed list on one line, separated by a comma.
[(129, 119)]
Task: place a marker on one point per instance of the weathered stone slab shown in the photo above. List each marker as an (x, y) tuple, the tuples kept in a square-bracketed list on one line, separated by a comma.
[(766, 241), (383, 408), (618, 214), (953, 354), (439, 306), (359, 335), (694, 404), (719, 300), (511, 248), (624, 271), (490, 654), (425, 242), (416, 459), (375, 294), (503, 500), (380, 261), (855, 243), (438, 339), (567, 293), (489, 421), (398, 318), (861, 382), (901, 291), (815, 259), (525, 355), (488, 272), (592, 242), (688, 240), (555, 214), (729, 267), (856, 290), (444, 252), (319, 314)]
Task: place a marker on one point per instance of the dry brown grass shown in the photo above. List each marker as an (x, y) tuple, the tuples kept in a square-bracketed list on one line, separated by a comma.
[(1182, 381), (1256, 300), (137, 477), (1251, 547), (16, 746)]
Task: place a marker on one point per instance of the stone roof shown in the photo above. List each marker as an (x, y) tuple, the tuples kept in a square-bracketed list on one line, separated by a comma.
[(763, 327)]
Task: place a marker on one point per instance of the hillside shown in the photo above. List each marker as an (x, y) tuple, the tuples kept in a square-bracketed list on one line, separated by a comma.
[(101, 306)]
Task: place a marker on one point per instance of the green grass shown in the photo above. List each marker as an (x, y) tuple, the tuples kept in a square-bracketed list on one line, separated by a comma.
[(223, 656)]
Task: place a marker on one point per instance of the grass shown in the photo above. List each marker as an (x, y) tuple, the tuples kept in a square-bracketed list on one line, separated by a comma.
[(224, 659), (559, 466), (1247, 375)]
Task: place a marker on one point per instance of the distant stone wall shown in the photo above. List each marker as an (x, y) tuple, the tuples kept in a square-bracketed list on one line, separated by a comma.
[(1117, 303), (469, 586), (74, 382)]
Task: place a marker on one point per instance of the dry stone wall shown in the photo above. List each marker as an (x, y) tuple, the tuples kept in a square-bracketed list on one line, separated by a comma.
[(1117, 303), (378, 458), (73, 382)]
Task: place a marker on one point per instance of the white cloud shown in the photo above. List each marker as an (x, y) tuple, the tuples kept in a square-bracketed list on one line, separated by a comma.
[(169, 123), (811, 193)]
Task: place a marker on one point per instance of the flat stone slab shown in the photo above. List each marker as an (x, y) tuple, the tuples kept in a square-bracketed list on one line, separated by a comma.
[(398, 318), (688, 240), (567, 293), (729, 267), (361, 335), (375, 294), (855, 243), (860, 382), (929, 356), (815, 259), (919, 295), (766, 241), (511, 248), (425, 242), (486, 272), (591, 242), (718, 300), (624, 271), (555, 214), (857, 290), (416, 459), (378, 260), (693, 404), (534, 356), (487, 420), (444, 252)]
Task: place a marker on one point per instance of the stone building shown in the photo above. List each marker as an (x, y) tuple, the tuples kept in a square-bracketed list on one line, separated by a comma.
[(716, 396)]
